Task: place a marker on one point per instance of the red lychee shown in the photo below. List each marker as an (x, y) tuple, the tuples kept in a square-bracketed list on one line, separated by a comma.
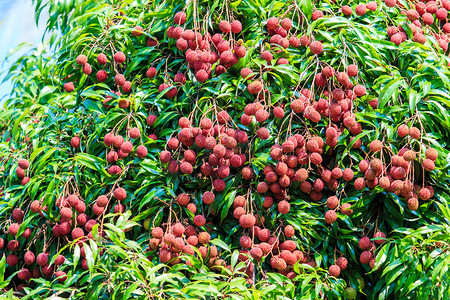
[(81, 59), (334, 270), (225, 26), (102, 59), (316, 47), (236, 26), (119, 57)]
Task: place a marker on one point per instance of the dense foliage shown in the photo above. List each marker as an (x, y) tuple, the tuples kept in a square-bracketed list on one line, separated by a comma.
[(255, 149)]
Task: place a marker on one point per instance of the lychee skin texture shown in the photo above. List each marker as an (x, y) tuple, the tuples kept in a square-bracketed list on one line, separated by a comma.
[(12, 260), (379, 234), (332, 202), (69, 87), (119, 57), (284, 207), (141, 151), (119, 79), (199, 220), (101, 76), (120, 194), (179, 18), (42, 259), (330, 216), (35, 206), (77, 233), (365, 243), (81, 59), (402, 130), (361, 10), (342, 263), (29, 258), (87, 69), (316, 47), (236, 26), (365, 257), (247, 220), (102, 59), (75, 142), (225, 26), (334, 270), (23, 164)]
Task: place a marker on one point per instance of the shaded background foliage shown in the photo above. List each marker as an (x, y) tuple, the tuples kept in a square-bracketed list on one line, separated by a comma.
[(411, 81)]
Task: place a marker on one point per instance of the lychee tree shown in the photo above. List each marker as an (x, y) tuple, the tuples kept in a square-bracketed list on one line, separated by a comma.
[(212, 149)]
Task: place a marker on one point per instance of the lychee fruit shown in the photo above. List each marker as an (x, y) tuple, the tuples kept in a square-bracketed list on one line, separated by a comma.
[(414, 133), (379, 234), (225, 26), (68, 87), (342, 263), (247, 220), (330, 216), (365, 257), (120, 194), (102, 59), (334, 270), (81, 59), (332, 202), (346, 209), (316, 47), (200, 220), (23, 164), (283, 207), (29, 258), (179, 18), (119, 57), (42, 259), (365, 243), (119, 79), (236, 26), (87, 69)]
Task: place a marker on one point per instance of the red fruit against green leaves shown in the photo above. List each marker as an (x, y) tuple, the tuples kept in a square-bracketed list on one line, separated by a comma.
[(102, 59), (141, 151), (289, 231), (120, 194), (334, 270), (346, 10), (346, 209), (87, 69), (379, 234), (77, 233), (342, 263), (208, 198), (236, 26), (330, 216), (365, 243), (119, 79), (23, 164), (179, 18), (29, 258), (68, 87), (316, 47), (247, 220), (332, 202), (414, 133), (12, 260), (365, 257), (81, 59), (119, 57), (361, 10), (42, 259), (199, 220), (225, 26), (284, 207)]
